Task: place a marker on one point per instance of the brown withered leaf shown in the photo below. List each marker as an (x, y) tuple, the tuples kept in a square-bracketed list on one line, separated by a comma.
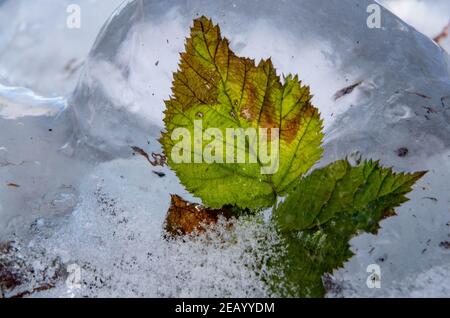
[(184, 217)]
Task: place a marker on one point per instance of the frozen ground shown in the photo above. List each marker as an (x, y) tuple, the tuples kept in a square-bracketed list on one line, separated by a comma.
[(84, 199)]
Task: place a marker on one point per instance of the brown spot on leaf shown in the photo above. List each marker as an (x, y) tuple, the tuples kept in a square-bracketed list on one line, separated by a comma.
[(186, 218), (389, 213), (291, 127), (249, 109)]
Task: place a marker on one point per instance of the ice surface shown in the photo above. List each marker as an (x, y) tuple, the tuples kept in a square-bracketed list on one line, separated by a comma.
[(140, 56), (67, 174), (427, 16), (39, 51), (38, 176), (115, 236), (408, 245)]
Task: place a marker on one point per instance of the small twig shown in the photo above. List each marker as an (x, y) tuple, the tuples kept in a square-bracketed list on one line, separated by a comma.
[(347, 90), (159, 174), (72, 66), (34, 290), (419, 94), (443, 35), (157, 159), (443, 98)]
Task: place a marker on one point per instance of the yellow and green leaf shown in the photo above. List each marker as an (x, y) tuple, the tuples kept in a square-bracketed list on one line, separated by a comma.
[(226, 91)]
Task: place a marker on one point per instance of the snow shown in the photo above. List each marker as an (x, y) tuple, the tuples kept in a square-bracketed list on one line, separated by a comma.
[(116, 236), (85, 200)]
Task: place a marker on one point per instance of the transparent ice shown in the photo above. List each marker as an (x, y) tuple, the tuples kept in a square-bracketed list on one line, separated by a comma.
[(428, 16), (71, 155), (39, 51)]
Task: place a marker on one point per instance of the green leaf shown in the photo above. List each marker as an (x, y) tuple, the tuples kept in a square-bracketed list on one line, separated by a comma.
[(215, 91), (328, 208), (225, 91)]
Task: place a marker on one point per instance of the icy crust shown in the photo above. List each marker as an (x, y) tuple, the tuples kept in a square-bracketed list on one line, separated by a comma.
[(115, 236)]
